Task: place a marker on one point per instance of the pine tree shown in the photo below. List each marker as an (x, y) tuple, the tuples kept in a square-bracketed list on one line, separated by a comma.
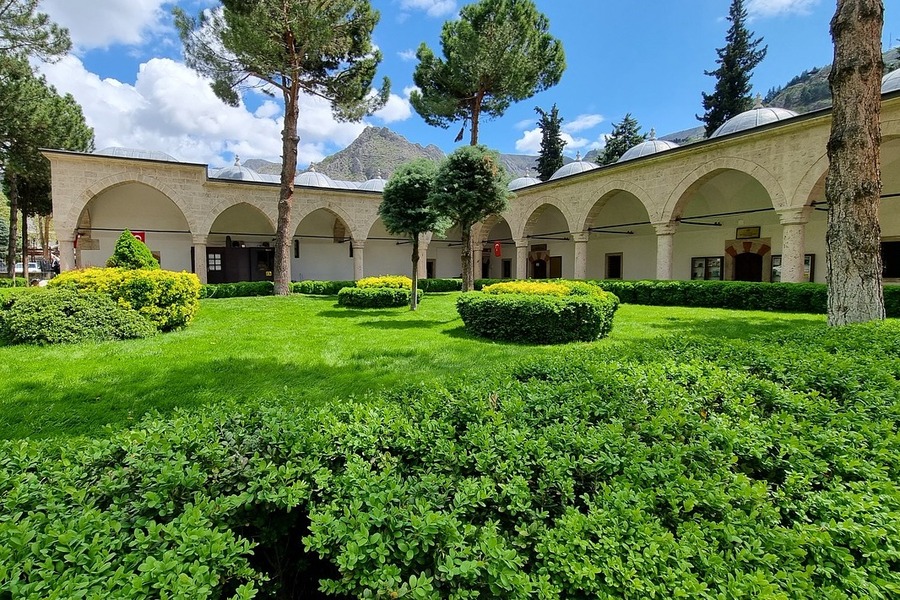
[(552, 144), (625, 134), (736, 61)]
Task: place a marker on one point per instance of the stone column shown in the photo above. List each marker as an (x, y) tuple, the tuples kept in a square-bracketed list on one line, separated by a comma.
[(665, 246), (423, 254), (521, 258), (200, 267), (581, 239), (358, 247), (793, 242), (66, 255)]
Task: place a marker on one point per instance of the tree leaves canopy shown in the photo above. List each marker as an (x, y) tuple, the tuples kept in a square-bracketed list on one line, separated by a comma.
[(498, 52), (550, 158), (470, 185), (405, 207), (736, 61), (625, 135), (25, 31)]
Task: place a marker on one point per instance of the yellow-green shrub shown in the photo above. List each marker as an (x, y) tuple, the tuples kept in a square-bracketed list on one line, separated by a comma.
[(560, 288), (400, 282), (168, 299)]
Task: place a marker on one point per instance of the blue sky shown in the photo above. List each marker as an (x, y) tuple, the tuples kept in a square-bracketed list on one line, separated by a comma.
[(646, 57)]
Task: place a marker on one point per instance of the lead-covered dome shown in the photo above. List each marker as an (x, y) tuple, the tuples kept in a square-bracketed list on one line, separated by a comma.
[(574, 167), (313, 178), (120, 152), (238, 172), (650, 146), (756, 116), (375, 184), (521, 182), (890, 82)]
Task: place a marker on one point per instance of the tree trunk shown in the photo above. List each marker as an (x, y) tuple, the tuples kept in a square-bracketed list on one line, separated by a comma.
[(853, 182), (44, 227), (476, 115), (25, 274), (414, 299), (13, 225), (283, 233), (468, 277)]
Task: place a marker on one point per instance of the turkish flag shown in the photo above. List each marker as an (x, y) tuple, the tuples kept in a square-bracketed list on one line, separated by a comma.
[(498, 249)]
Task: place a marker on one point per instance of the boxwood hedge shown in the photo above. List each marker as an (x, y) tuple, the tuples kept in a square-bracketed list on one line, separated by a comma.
[(374, 297), (320, 288), (765, 468), (237, 290)]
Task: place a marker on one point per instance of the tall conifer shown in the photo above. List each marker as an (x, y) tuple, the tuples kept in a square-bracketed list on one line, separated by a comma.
[(731, 95), (625, 134), (552, 144)]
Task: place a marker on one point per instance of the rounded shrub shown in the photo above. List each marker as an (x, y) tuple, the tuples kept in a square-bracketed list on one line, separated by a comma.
[(55, 316), (320, 288), (539, 312), (167, 299), (132, 253), (384, 297), (401, 282)]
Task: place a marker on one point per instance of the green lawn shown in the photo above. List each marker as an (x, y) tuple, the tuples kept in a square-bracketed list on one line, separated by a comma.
[(300, 350)]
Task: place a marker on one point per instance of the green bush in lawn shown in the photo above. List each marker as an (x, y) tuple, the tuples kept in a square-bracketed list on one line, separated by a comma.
[(168, 299), (240, 289), (55, 316), (354, 297), (764, 468), (539, 312), (17, 282), (320, 288), (131, 253), (440, 285)]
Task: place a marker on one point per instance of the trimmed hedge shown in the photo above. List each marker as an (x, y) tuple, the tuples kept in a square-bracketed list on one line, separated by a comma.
[(56, 316), (764, 468), (440, 285), (374, 297), (320, 288), (401, 282), (237, 290), (168, 299), (537, 319), (19, 281)]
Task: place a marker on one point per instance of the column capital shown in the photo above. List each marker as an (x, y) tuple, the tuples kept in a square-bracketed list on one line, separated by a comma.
[(199, 240), (665, 227), (521, 242), (580, 237), (795, 215), (358, 244)]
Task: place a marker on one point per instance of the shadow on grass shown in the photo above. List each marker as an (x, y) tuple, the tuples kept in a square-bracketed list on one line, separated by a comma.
[(733, 326), (355, 313)]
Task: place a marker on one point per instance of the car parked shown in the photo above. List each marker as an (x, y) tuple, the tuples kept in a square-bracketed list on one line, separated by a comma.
[(33, 268)]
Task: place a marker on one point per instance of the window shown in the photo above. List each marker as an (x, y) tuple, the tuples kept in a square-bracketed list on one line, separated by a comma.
[(890, 258), (506, 268), (614, 265), (214, 262), (809, 265), (706, 267)]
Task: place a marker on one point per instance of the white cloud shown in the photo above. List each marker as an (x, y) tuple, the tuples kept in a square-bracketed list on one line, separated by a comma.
[(524, 124), (152, 114), (396, 109), (407, 55), (582, 123), (530, 142), (107, 22), (433, 8), (777, 8)]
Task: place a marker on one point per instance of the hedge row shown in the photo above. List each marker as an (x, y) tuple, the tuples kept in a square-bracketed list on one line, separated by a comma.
[(20, 281), (386, 281), (767, 468), (320, 288), (326, 288), (237, 290), (167, 299), (373, 297), (55, 316)]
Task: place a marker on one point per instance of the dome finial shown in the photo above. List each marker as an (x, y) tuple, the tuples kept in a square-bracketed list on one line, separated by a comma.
[(758, 103), (652, 133), (312, 167), (237, 160), (578, 155)]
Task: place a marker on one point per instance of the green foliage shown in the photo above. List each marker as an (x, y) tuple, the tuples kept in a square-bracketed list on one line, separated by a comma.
[(56, 316), (320, 288), (386, 281), (405, 208), (764, 467), (470, 185), (625, 135), (168, 300), (497, 52), (237, 290), (736, 61), (131, 253), (374, 297), (550, 158), (542, 317), (17, 282), (26, 32), (440, 285)]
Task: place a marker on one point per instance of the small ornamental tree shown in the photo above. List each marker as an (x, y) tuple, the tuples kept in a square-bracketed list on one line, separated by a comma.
[(625, 135), (470, 185), (550, 159), (406, 209), (132, 253)]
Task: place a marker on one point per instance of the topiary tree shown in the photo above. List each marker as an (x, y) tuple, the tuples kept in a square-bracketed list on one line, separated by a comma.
[(132, 253), (406, 209), (469, 186)]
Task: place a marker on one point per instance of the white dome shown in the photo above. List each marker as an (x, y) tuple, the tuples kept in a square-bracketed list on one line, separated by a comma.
[(574, 167), (237, 172), (346, 185), (136, 153), (314, 179), (890, 82), (520, 182), (373, 185), (651, 146), (756, 116)]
